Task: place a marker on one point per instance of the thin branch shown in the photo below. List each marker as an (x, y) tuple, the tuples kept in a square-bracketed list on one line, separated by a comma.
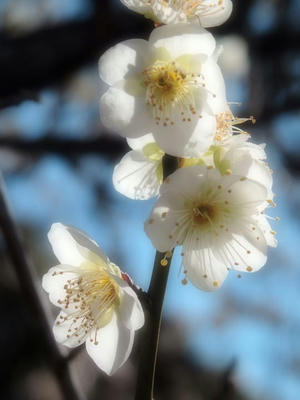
[(33, 299), (108, 146), (151, 330), (227, 391)]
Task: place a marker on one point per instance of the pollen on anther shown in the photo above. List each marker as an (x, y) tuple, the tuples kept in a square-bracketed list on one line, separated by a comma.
[(164, 214), (216, 283), (184, 281), (249, 269), (164, 262)]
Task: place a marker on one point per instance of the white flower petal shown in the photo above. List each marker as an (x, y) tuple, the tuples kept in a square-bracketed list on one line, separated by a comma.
[(247, 194), (65, 328), (122, 60), (187, 182), (216, 18), (136, 176), (181, 39), (269, 234), (249, 252), (204, 269), (73, 247), (188, 139), (114, 347), (125, 114), (139, 142), (54, 281), (214, 83), (131, 311), (161, 226)]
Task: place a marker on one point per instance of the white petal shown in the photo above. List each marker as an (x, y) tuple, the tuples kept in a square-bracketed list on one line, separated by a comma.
[(214, 83), (261, 173), (73, 247), (219, 17), (204, 269), (114, 347), (161, 226), (136, 177), (187, 139), (189, 181), (269, 234), (181, 39), (125, 114), (65, 328), (131, 311), (122, 60), (139, 142), (54, 281), (248, 251), (246, 194)]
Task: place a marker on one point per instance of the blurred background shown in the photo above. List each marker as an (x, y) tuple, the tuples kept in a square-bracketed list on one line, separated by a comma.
[(241, 342)]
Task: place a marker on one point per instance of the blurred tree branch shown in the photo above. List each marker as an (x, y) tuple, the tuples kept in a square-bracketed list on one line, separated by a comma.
[(108, 146), (33, 299)]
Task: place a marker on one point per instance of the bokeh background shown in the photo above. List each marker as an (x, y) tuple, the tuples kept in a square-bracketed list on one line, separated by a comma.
[(241, 342)]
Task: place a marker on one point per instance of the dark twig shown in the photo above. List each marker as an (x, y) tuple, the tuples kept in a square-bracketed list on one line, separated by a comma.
[(108, 146), (33, 299), (226, 391), (151, 330)]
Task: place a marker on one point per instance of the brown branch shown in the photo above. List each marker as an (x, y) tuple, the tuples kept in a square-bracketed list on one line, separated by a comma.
[(33, 299)]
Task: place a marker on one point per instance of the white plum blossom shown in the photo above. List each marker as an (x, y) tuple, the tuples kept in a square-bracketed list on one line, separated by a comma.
[(169, 86), (139, 174), (219, 221), (97, 304), (232, 152), (207, 12)]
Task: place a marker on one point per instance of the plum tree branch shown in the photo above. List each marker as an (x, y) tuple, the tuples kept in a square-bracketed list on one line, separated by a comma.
[(151, 331)]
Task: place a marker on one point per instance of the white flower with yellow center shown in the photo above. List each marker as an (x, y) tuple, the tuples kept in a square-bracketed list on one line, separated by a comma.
[(98, 306), (219, 221), (169, 86), (207, 12), (232, 152), (139, 174)]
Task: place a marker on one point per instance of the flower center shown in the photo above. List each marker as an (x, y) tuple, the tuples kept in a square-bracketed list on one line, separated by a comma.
[(90, 298), (226, 125), (169, 89), (204, 214)]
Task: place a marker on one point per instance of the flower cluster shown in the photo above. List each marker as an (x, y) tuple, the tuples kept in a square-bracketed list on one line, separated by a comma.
[(166, 96)]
